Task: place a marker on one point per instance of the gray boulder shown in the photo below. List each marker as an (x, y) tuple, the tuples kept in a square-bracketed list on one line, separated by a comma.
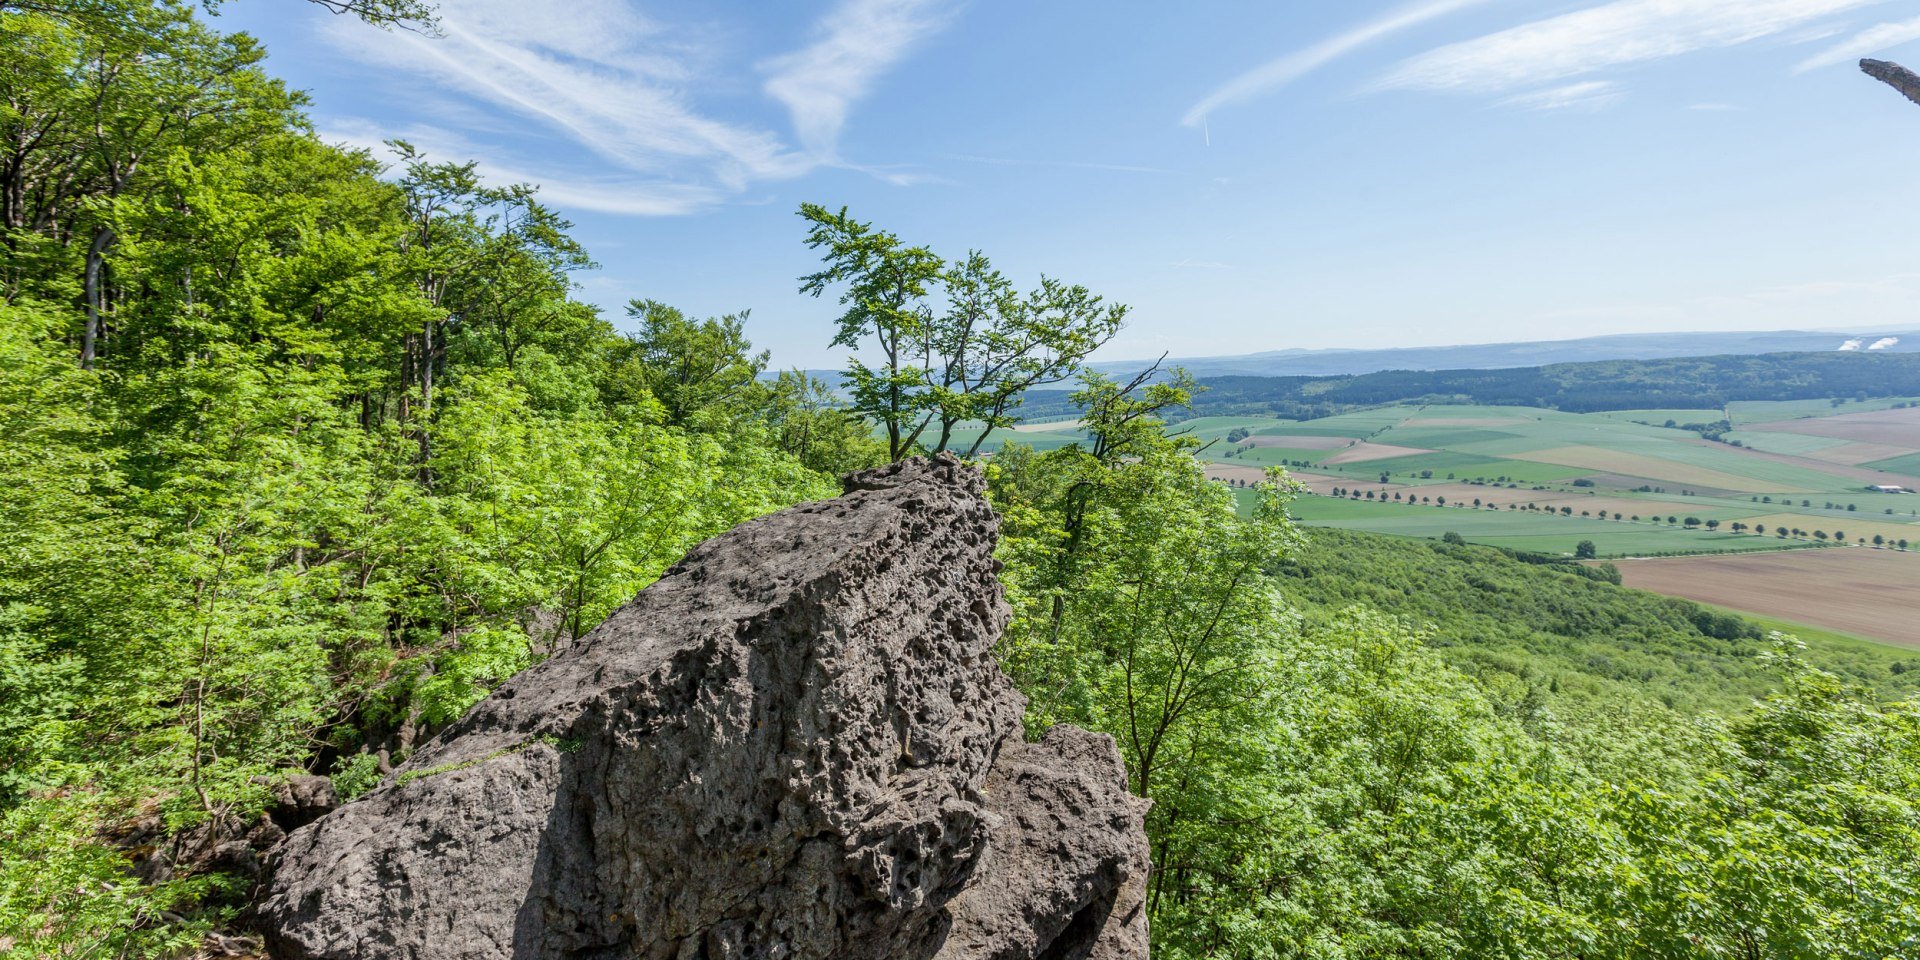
[(796, 744)]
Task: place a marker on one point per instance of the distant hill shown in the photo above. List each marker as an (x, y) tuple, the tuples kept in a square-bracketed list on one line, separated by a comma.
[(1691, 383), (1492, 356)]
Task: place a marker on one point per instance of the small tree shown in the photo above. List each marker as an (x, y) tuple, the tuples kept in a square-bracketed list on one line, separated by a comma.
[(1585, 550), (970, 358)]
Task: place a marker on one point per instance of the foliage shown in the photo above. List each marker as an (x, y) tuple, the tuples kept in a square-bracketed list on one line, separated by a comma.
[(1529, 764), (972, 359), (300, 461)]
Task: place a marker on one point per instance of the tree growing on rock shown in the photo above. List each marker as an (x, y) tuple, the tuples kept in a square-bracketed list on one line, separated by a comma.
[(950, 342)]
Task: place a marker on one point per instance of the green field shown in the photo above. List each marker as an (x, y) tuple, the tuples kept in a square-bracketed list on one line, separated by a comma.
[(1791, 444), (1621, 459), (1518, 530), (1747, 412), (1908, 464), (1659, 418)]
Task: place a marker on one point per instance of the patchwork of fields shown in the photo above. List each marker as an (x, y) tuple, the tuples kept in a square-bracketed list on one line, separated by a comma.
[(1776, 517), (1740, 525)]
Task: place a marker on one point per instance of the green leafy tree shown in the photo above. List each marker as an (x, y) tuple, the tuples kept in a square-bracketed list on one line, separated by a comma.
[(969, 359), (703, 373)]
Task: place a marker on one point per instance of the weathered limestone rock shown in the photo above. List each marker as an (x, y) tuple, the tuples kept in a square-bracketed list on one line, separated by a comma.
[(795, 745)]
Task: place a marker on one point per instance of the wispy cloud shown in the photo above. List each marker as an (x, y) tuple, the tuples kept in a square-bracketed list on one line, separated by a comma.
[(602, 193), (858, 42), (1278, 73), (1609, 35), (1869, 41), (619, 91), (1068, 164), (1586, 95)]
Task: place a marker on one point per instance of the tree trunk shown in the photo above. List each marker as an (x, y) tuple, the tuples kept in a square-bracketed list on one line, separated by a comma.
[(95, 294)]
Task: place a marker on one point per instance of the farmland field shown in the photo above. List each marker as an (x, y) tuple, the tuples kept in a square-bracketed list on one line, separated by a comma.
[(1868, 593), (1517, 530), (1544, 480), (1773, 411), (1898, 427)]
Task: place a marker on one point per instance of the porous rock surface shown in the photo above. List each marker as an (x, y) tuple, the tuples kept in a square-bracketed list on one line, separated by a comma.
[(796, 744)]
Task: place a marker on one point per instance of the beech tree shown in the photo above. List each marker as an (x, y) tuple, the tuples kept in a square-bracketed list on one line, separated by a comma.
[(955, 342)]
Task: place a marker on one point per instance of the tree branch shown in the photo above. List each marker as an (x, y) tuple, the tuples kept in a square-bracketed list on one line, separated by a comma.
[(1893, 75)]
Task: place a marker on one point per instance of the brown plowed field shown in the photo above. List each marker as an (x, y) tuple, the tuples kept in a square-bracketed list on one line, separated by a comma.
[(1869, 593), (1855, 454), (1318, 483), (1365, 452), (1899, 427)]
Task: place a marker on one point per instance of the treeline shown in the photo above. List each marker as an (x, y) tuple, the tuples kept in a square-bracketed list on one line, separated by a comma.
[(1693, 383)]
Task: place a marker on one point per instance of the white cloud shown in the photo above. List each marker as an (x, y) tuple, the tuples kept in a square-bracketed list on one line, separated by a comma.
[(1068, 164), (604, 98), (1609, 35), (1869, 41), (630, 195), (858, 42), (1586, 95), (1280, 72)]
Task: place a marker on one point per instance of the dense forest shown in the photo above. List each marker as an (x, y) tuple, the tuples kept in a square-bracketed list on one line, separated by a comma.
[(305, 454), (1689, 383)]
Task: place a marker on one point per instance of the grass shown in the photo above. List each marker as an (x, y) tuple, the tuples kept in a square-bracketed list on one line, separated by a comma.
[(1467, 466), (1791, 444), (1908, 465), (1773, 411), (1274, 456), (1628, 458), (1659, 418), (1521, 530)]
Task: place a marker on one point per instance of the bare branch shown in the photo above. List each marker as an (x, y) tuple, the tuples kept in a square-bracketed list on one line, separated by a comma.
[(1893, 75)]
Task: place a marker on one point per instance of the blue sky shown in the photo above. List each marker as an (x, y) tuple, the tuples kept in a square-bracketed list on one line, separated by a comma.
[(1246, 176)]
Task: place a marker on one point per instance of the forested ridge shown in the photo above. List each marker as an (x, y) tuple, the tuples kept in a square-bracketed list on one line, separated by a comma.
[(1690, 383), (303, 455)]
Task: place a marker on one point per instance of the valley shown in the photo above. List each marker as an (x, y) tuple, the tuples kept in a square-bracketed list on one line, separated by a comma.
[(1776, 517)]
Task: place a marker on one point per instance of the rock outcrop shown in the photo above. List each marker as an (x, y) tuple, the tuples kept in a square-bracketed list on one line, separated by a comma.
[(796, 744)]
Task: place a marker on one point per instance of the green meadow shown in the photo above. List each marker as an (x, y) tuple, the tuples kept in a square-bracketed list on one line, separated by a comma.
[(1625, 458)]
